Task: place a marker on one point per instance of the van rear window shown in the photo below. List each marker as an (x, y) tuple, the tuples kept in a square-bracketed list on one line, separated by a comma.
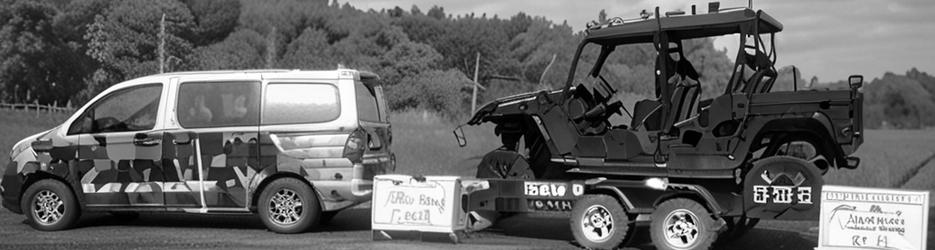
[(291, 103)]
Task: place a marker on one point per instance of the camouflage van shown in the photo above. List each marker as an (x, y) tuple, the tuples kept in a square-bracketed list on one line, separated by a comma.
[(294, 147)]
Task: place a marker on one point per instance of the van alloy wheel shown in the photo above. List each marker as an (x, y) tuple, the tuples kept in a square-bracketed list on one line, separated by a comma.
[(50, 205), (48, 208), (285, 207), (289, 205)]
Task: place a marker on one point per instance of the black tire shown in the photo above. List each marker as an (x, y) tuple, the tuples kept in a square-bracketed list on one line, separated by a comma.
[(737, 227), (599, 222), (682, 224), (327, 216), (49, 205), (298, 210), (125, 215)]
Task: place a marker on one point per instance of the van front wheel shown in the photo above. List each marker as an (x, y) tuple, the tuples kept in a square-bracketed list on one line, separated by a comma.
[(288, 205), (50, 205)]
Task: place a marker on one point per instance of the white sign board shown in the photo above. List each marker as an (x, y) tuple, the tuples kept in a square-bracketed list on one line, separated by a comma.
[(872, 218), (402, 203)]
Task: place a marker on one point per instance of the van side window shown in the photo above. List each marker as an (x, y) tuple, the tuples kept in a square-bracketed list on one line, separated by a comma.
[(218, 104), (367, 108), (292, 103), (130, 109)]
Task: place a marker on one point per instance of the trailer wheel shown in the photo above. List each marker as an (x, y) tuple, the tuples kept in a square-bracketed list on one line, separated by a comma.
[(682, 224), (599, 222)]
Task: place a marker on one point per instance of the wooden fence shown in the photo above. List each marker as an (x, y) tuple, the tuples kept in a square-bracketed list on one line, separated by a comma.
[(38, 108)]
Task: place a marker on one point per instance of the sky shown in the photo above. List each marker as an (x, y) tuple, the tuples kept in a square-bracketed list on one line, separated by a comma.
[(830, 39)]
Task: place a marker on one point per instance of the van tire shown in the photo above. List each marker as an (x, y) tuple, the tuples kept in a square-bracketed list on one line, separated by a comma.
[(288, 206), (49, 205)]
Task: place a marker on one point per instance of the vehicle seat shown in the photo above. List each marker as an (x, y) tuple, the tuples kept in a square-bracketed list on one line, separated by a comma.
[(683, 101), (646, 113)]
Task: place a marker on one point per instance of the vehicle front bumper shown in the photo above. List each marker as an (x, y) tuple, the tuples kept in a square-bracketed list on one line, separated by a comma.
[(10, 186)]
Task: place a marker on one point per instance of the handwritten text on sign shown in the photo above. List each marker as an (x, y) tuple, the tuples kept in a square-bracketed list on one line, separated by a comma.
[(873, 218), (413, 203)]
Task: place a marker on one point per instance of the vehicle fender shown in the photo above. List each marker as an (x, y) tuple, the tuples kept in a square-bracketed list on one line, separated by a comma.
[(817, 125), (635, 197), (694, 192)]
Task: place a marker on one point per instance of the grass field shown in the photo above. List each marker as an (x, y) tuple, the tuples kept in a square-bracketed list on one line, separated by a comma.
[(17, 124), (425, 145)]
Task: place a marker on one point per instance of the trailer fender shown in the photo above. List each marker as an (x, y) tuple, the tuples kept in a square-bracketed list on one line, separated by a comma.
[(694, 192)]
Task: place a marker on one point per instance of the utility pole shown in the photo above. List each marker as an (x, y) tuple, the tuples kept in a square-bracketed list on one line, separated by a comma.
[(542, 77), (474, 93), (271, 48), (162, 44)]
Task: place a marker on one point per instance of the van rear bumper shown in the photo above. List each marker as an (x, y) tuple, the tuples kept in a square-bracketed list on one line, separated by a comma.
[(340, 194)]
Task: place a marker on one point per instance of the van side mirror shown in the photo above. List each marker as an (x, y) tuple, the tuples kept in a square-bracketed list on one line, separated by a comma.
[(855, 81), (459, 135)]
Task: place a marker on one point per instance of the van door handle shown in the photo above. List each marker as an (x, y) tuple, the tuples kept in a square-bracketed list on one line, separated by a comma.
[(145, 140)]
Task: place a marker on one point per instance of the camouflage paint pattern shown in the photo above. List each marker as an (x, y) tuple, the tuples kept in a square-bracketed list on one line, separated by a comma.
[(196, 170)]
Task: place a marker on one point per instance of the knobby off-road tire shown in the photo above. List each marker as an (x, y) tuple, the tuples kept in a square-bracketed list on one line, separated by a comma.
[(288, 205), (49, 205), (682, 224), (599, 222)]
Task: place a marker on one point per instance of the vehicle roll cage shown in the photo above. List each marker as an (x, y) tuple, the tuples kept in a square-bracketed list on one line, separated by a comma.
[(675, 27)]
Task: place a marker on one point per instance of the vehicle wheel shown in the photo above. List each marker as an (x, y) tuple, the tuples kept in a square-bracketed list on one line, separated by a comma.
[(125, 215), (50, 205), (288, 205), (682, 224), (599, 222), (326, 217)]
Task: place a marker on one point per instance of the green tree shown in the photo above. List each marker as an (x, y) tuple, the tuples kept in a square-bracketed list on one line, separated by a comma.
[(308, 51), (214, 19), (407, 59), (125, 40), (36, 57), (243, 49), (434, 90)]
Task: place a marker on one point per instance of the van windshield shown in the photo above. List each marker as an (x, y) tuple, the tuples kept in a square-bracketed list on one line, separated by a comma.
[(370, 103)]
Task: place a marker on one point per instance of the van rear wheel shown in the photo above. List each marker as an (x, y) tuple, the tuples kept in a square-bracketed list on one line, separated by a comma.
[(288, 205)]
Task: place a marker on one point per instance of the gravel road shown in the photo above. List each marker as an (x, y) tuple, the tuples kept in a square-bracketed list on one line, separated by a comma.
[(349, 230)]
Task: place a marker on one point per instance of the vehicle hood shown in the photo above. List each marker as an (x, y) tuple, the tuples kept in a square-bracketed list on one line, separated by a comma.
[(27, 142)]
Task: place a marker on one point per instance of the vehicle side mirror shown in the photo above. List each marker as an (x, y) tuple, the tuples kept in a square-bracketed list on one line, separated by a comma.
[(855, 81), (459, 135), (42, 145)]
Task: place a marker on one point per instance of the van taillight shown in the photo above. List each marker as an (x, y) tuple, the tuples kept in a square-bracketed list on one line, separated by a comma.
[(355, 146)]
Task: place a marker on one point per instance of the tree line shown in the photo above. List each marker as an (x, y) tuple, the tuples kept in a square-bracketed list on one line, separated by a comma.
[(66, 51)]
